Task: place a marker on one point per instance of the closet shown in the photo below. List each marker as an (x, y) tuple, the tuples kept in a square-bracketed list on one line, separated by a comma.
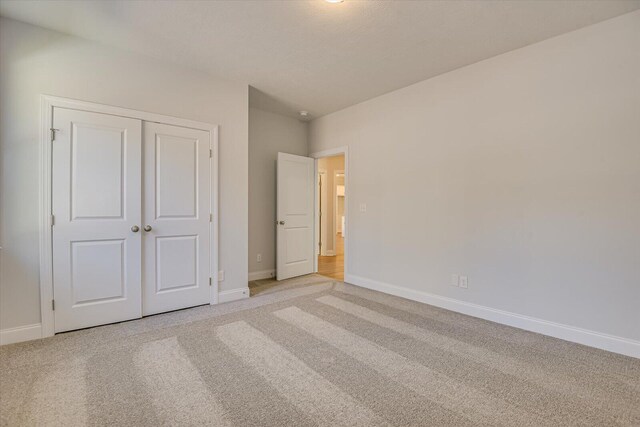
[(131, 204)]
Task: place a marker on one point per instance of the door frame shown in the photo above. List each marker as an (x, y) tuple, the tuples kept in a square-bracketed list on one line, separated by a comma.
[(335, 208), (47, 104), (320, 232), (344, 150)]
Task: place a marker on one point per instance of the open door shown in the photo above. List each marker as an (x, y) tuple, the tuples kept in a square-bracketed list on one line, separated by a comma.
[(295, 216)]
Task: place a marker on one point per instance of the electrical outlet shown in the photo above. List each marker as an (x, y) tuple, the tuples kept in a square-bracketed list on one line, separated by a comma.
[(455, 280), (464, 282), (363, 207), (221, 276), (259, 257)]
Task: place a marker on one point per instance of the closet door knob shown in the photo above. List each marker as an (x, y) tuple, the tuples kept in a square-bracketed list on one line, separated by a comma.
[(147, 228), (135, 228)]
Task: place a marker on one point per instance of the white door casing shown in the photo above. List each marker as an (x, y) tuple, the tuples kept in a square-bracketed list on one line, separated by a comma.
[(295, 215), (96, 187), (177, 203), (321, 207)]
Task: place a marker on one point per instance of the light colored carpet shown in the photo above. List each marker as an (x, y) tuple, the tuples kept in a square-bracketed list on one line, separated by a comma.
[(314, 352)]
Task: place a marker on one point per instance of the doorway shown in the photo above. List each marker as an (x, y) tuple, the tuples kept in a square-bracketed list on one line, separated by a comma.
[(331, 215), (312, 214)]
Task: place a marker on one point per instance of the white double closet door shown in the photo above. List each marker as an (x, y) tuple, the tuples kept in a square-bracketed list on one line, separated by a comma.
[(131, 204)]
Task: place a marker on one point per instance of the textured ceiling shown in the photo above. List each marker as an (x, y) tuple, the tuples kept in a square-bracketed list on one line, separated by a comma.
[(313, 55)]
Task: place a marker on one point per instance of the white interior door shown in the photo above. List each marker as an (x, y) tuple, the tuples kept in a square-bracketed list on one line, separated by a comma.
[(96, 190), (177, 206), (295, 194)]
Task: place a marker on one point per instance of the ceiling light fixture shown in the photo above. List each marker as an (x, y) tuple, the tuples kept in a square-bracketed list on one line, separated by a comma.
[(334, 1), (304, 114)]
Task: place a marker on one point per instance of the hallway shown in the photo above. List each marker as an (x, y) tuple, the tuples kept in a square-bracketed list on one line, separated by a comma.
[(333, 266)]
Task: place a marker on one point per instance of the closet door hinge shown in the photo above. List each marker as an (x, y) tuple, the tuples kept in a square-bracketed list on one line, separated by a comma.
[(53, 220), (53, 305), (210, 281), (210, 217), (210, 153), (53, 134)]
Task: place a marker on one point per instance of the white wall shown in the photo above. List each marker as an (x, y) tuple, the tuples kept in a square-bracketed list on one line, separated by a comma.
[(35, 61), (521, 171), (269, 133)]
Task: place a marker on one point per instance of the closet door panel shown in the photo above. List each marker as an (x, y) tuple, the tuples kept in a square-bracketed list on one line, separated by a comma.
[(96, 189), (177, 201)]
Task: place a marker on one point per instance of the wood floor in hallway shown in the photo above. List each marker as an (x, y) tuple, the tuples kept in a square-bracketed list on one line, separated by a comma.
[(333, 266)]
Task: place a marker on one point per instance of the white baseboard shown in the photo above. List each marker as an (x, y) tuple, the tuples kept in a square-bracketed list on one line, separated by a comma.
[(233, 295), (262, 274), (20, 334), (607, 342)]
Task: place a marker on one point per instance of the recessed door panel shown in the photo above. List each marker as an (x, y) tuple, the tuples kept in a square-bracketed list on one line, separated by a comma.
[(297, 183), (176, 263), (297, 240), (96, 191), (176, 214), (176, 177), (93, 281), (97, 171)]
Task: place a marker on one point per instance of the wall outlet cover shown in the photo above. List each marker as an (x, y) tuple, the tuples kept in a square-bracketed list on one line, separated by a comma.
[(221, 276)]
